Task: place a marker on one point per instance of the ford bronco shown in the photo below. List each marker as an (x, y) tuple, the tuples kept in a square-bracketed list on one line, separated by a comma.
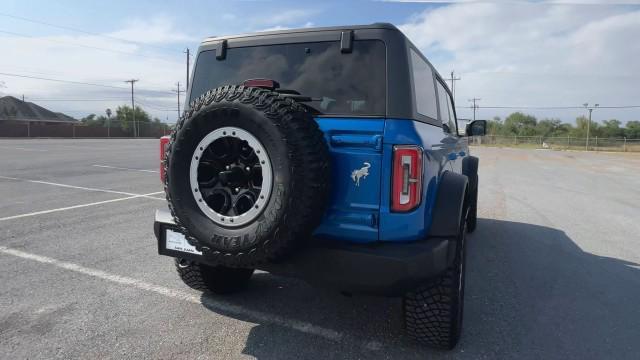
[(333, 155)]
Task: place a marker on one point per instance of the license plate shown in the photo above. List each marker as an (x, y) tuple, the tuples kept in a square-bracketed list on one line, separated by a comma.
[(177, 242)]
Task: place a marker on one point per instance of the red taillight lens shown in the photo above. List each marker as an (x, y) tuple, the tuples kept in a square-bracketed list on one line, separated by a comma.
[(406, 189), (163, 147)]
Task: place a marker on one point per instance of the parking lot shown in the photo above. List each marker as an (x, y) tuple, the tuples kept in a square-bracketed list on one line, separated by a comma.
[(552, 267)]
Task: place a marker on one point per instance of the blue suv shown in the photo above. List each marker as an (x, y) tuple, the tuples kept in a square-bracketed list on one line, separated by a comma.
[(331, 154)]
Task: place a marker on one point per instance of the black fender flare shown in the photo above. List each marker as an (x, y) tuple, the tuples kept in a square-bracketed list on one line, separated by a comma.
[(449, 205)]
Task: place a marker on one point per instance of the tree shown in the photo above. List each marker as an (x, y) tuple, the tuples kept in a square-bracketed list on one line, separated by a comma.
[(125, 117), (494, 126), (88, 119), (580, 131), (548, 127), (520, 124), (563, 130), (93, 120), (632, 129), (611, 129)]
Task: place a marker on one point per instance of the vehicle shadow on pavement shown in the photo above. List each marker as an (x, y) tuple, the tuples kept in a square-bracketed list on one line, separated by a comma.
[(531, 293)]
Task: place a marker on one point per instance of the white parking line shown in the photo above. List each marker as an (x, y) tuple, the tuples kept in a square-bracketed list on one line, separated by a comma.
[(123, 168), (220, 306), (78, 187), (20, 148), (146, 196)]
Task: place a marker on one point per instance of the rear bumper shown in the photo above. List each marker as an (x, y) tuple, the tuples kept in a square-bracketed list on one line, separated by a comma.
[(380, 269)]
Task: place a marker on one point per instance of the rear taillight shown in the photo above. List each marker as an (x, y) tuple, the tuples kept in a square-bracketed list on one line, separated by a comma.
[(164, 141), (406, 188)]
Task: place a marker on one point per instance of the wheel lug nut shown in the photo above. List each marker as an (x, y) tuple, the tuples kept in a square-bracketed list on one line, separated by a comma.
[(228, 167), (237, 189), (248, 168)]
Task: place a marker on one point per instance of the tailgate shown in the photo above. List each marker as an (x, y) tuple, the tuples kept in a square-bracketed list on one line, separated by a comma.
[(355, 146)]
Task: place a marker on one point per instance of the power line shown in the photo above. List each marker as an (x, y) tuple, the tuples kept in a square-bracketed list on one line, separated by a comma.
[(82, 31), (153, 106), (76, 82), (77, 100), (86, 46), (549, 107), (475, 106), (64, 81)]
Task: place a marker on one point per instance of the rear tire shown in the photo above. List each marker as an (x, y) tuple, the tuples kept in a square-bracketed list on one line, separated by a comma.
[(472, 217), (215, 279), (433, 312)]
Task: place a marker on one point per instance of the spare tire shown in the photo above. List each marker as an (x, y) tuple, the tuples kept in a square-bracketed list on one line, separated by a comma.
[(247, 175)]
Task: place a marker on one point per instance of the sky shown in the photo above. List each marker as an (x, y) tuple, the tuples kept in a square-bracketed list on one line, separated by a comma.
[(522, 54)]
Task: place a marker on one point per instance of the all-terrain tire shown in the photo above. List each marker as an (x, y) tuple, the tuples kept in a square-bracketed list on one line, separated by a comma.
[(215, 279), (300, 165), (433, 312)]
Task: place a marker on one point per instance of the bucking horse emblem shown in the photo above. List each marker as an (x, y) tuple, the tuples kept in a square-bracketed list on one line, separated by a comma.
[(361, 173)]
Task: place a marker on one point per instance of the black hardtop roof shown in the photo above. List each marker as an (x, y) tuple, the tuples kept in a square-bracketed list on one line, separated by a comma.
[(385, 26), (400, 91), (265, 35)]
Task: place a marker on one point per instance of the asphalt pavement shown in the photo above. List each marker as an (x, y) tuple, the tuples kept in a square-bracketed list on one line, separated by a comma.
[(552, 268)]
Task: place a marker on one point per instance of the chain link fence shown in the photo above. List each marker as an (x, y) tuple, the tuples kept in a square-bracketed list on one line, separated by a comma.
[(69, 130), (560, 143)]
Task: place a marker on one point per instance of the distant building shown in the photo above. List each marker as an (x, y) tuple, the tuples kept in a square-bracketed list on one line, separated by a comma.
[(16, 111)]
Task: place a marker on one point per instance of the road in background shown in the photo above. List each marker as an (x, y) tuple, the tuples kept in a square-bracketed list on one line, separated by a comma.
[(553, 267)]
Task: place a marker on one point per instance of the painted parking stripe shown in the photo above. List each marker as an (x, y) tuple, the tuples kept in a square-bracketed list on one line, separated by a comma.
[(220, 306), (76, 187), (124, 168), (146, 196), (21, 148)]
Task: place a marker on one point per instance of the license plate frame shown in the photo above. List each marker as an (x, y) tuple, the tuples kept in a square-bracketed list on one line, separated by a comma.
[(176, 246)]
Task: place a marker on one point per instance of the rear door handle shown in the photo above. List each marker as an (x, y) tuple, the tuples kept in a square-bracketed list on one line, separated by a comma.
[(462, 153), (452, 156)]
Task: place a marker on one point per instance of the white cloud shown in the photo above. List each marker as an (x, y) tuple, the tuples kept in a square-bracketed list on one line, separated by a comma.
[(535, 54), (287, 17), (275, 28), (156, 30), (308, 24), (75, 58)]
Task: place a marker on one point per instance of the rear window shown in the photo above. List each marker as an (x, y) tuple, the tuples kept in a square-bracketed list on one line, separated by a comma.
[(340, 84)]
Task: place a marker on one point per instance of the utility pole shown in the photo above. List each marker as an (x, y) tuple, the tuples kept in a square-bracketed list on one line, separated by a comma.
[(178, 91), (187, 52), (108, 112), (133, 107), (453, 80), (474, 106), (586, 105)]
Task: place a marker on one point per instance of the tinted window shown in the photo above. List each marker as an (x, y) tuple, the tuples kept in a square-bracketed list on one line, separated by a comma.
[(349, 84), (446, 109), (423, 86)]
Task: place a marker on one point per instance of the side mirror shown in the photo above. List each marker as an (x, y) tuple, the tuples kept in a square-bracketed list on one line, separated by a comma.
[(476, 128)]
